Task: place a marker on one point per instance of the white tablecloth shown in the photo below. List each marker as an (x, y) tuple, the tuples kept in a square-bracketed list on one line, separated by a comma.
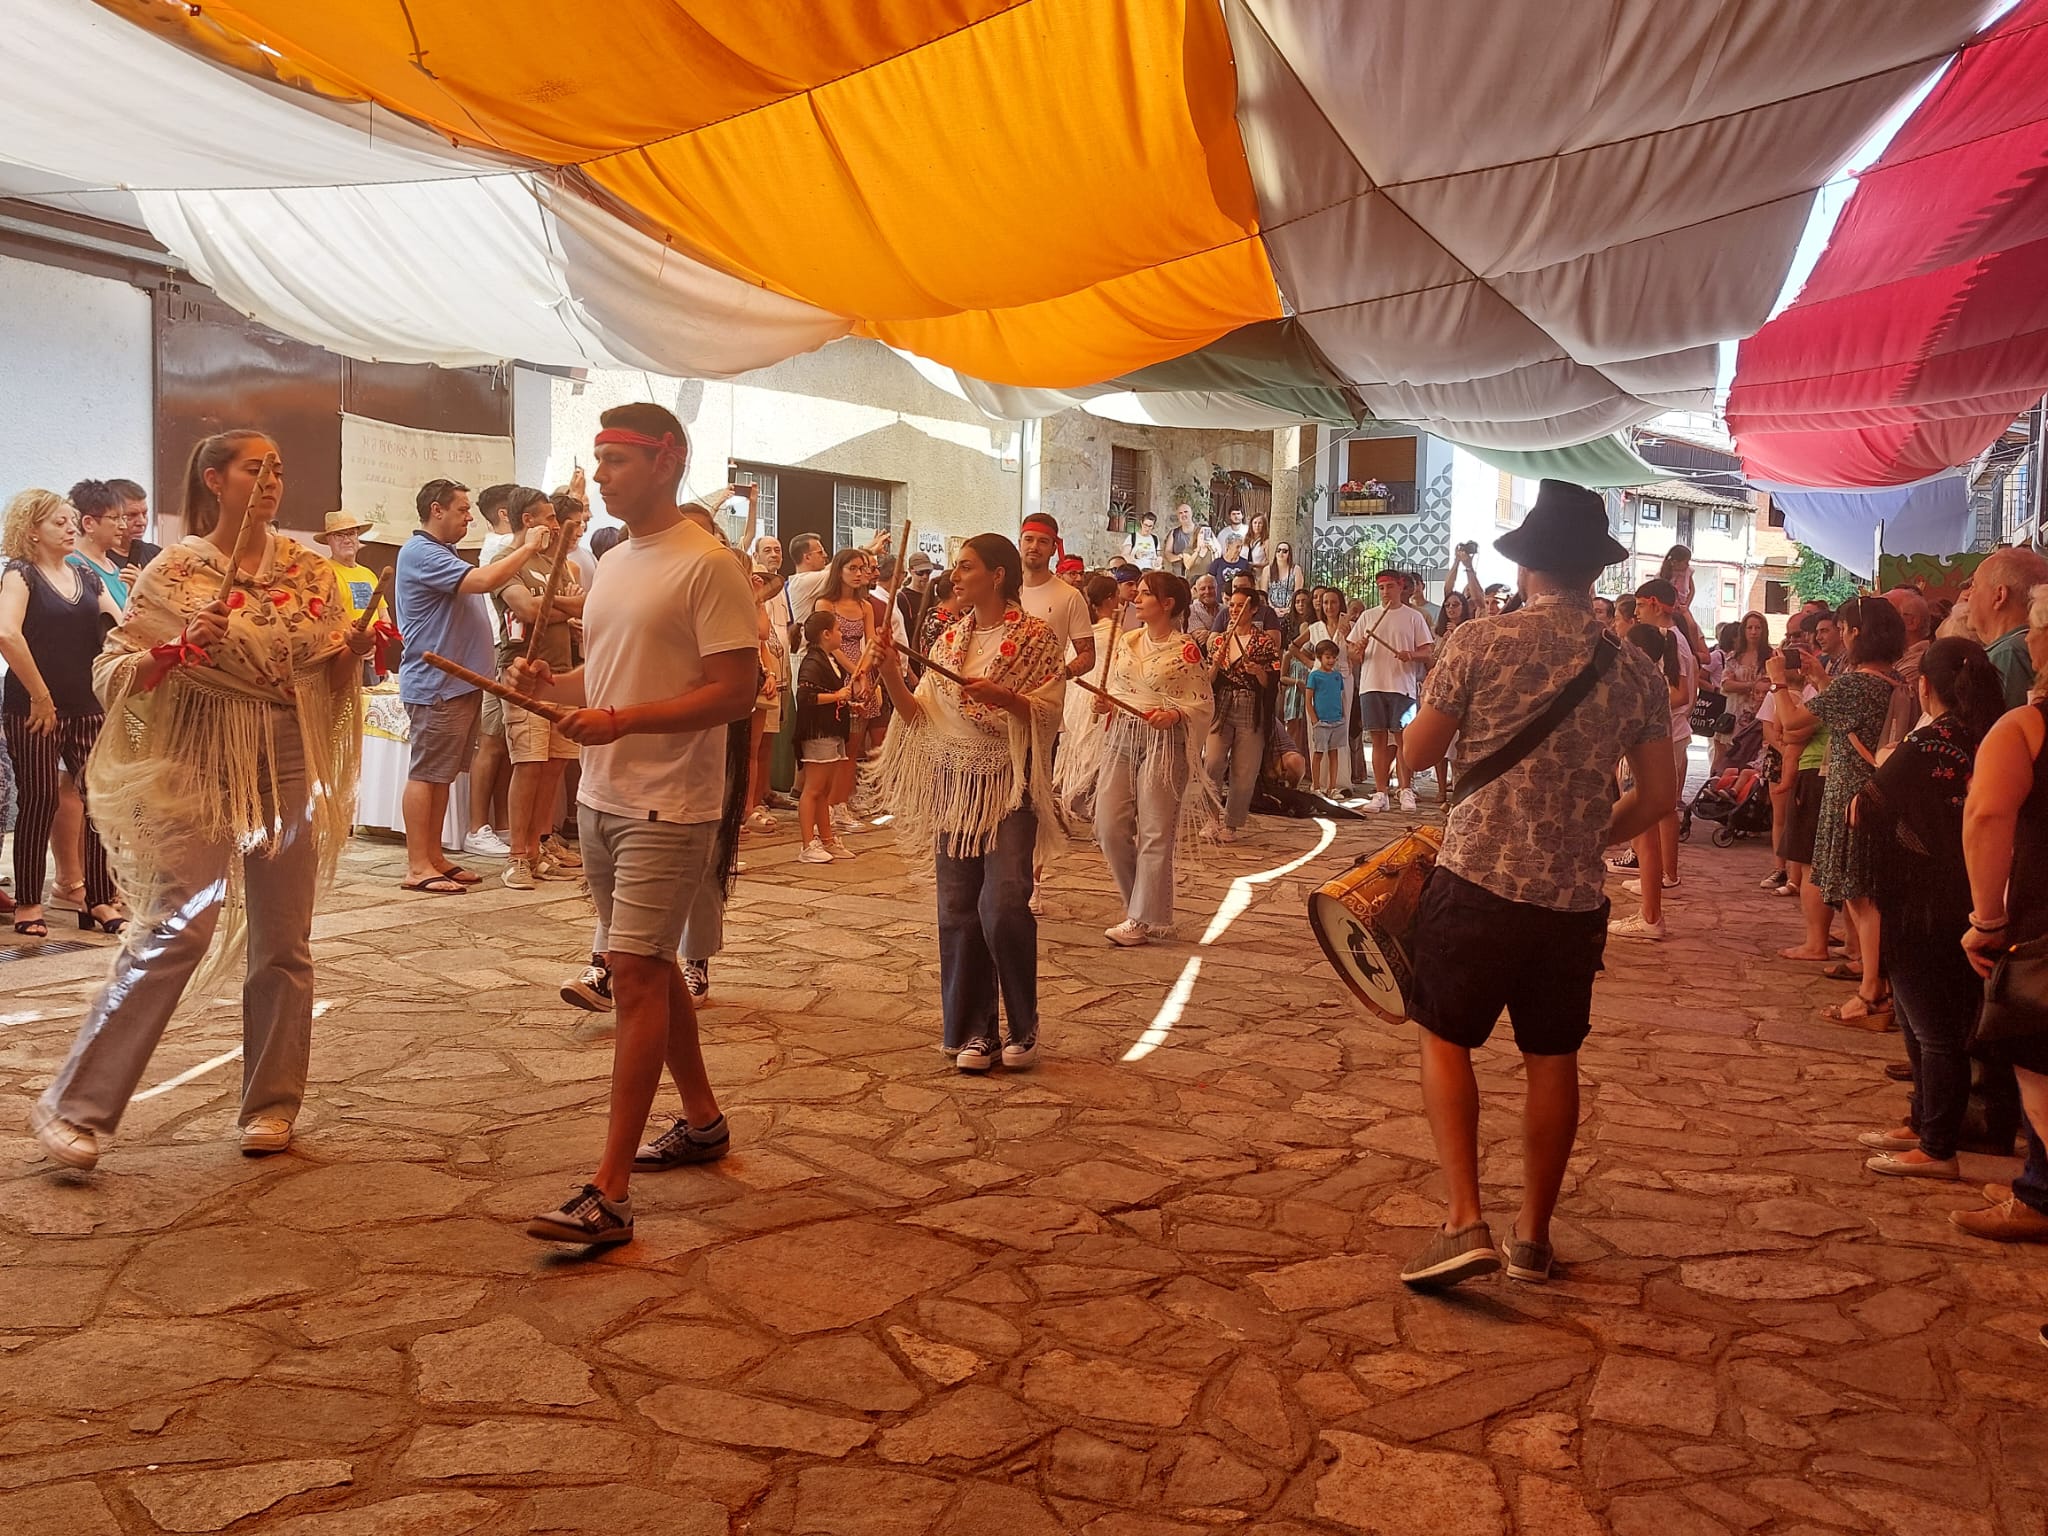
[(380, 800)]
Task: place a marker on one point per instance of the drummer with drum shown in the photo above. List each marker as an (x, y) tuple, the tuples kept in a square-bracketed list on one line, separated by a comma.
[(1514, 917)]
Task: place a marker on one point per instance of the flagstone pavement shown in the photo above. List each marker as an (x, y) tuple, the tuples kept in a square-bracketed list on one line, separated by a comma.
[(1133, 1292)]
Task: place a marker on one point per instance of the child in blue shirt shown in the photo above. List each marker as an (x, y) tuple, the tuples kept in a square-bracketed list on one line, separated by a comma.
[(1325, 719)]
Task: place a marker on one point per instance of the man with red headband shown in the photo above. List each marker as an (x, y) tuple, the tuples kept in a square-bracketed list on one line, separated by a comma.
[(669, 639)]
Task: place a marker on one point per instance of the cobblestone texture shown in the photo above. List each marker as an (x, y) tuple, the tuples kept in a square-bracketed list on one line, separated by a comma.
[(1125, 1297)]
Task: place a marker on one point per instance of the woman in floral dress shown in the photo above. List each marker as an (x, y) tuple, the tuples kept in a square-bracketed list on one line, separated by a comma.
[(1853, 708)]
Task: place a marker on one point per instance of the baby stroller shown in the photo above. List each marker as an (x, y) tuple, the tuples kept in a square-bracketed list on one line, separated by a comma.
[(1737, 800)]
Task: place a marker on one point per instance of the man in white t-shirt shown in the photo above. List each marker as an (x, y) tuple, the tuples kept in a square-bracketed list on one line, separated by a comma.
[(1388, 646), (670, 645), (1045, 596)]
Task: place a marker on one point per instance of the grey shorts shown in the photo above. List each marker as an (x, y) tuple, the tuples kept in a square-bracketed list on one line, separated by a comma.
[(650, 880), (822, 749), (1326, 738), (1383, 711), (443, 737), (493, 715)]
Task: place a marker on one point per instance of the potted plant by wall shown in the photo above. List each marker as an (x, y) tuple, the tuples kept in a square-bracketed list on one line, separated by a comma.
[(1363, 498)]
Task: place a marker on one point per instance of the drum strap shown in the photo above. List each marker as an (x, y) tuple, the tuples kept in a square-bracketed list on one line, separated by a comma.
[(1532, 735)]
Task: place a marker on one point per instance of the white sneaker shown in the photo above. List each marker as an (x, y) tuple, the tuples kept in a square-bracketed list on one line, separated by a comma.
[(837, 849), (519, 875), (266, 1133), (813, 852), (1018, 1055), (1787, 889), (1771, 881), (1407, 799), (486, 844), (976, 1056), (1128, 933), (1378, 802), (844, 820), (1635, 928), (72, 1145)]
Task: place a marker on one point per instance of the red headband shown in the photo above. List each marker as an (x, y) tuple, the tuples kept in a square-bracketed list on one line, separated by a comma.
[(628, 438)]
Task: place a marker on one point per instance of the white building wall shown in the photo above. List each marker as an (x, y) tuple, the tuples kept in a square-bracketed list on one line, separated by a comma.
[(76, 373), (852, 409)]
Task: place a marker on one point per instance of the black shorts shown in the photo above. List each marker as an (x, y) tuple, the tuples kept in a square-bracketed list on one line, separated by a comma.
[(1804, 826), (1477, 953)]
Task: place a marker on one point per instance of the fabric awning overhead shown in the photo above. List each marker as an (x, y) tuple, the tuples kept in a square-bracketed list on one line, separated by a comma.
[(1520, 224), (1923, 330)]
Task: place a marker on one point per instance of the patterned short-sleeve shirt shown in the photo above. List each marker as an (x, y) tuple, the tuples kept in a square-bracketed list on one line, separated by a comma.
[(1535, 834)]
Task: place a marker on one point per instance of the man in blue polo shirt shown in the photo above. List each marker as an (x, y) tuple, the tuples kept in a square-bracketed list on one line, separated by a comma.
[(443, 607)]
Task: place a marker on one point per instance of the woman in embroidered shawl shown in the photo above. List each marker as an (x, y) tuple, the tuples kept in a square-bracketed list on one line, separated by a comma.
[(1152, 792), (224, 785), (967, 773)]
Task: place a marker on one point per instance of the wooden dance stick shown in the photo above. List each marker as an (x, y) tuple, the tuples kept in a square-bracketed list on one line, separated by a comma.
[(868, 656), (566, 540), (491, 685), (954, 677), (1104, 693), (377, 598), (234, 570), (1116, 633)]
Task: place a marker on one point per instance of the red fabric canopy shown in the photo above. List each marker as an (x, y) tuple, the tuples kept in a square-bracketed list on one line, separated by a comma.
[(1923, 330)]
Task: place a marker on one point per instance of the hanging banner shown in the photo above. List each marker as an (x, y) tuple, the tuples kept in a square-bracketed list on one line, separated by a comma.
[(384, 465)]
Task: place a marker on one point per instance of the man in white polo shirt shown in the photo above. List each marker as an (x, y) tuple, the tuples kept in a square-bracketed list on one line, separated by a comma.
[(669, 639)]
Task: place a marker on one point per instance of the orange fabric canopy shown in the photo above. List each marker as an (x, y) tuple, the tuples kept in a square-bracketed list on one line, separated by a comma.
[(889, 153)]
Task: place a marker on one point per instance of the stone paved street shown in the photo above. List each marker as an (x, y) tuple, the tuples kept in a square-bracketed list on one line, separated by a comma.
[(1131, 1297)]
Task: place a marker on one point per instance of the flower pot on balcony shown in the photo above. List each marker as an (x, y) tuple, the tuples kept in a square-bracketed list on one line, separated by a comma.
[(1363, 506)]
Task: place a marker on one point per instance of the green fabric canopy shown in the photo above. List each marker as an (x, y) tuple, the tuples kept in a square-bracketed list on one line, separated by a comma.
[(1273, 362), (1606, 463)]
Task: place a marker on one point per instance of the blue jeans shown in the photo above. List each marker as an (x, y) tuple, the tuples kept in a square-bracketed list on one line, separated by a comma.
[(1937, 1005), (2031, 1187), (988, 939)]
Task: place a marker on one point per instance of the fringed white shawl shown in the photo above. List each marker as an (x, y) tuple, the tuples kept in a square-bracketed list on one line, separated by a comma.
[(193, 761), (1169, 762), (954, 774)]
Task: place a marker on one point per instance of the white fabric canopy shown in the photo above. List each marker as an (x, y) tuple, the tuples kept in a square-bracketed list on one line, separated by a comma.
[(356, 230)]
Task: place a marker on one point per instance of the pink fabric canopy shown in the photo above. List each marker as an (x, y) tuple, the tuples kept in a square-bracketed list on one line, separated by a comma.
[(1923, 330)]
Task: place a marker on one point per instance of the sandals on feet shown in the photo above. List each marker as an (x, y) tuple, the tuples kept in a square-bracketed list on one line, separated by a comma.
[(435, 885), (460, 875), (1844, 970), (1858, 1010), (33, 928)]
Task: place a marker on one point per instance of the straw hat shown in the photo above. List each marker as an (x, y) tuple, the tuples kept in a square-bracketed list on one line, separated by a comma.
[(343, 522)]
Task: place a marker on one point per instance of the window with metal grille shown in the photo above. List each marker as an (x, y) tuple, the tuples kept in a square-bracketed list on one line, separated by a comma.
[(761, 486), (1649, 512), (1720, 521), (860, 510), (1126, 482)]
